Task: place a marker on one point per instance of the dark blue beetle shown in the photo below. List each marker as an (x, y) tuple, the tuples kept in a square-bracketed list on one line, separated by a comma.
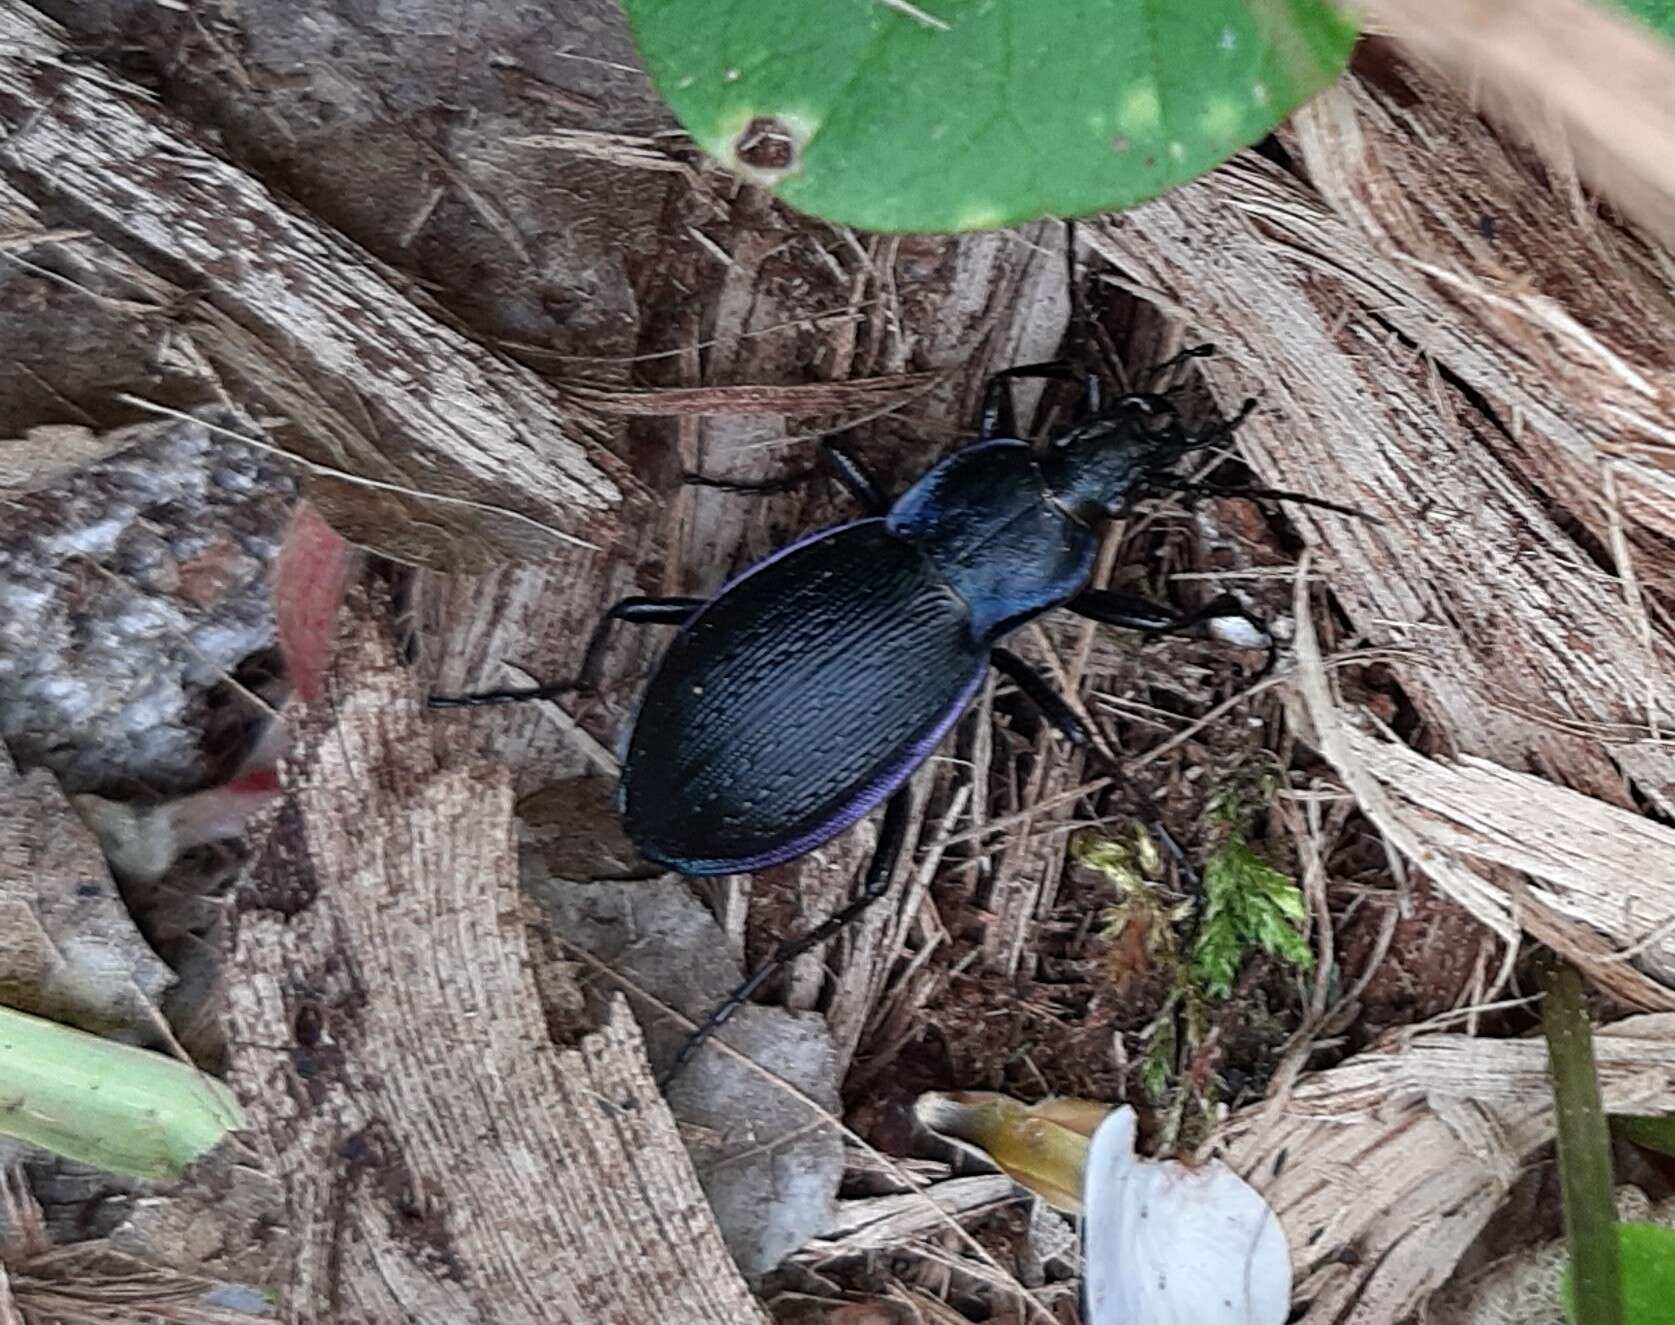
[(806, 692)]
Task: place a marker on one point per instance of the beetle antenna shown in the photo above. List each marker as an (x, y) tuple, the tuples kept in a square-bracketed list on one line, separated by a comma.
[(1157, 372), (1160, 477), (1191, 488)]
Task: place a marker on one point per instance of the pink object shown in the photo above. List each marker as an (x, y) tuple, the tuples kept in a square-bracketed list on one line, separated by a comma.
[(310, 578), (143, 842)]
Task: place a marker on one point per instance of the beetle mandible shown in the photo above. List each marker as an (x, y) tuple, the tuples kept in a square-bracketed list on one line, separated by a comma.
[(806, 692)]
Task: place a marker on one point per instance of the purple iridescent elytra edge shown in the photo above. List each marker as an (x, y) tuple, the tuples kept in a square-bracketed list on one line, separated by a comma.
[(874, 793), (871, 796)]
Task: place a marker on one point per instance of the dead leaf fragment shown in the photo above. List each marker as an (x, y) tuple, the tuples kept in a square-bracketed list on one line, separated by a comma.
[(69, 950), (1422, 1132)]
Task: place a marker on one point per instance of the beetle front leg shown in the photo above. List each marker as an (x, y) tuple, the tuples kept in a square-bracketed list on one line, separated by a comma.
[(672, 611), (998, 418), (1041, 693), (891, 835), (1222, 618)]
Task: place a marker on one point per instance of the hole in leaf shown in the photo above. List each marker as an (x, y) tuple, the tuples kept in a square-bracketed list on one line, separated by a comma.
[(768, 145)]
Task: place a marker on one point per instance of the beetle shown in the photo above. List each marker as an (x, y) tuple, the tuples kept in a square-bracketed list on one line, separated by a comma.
[(805, 693)]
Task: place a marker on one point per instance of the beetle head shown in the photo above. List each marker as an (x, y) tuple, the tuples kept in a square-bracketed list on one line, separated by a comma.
[(1094, 468)]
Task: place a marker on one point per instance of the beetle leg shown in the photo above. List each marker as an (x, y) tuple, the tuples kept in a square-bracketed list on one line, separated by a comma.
[(641, 611), (857, 480), (997, 418), (1222, 618), (1041, 693), (1093, 399), (756, 486), (1191, 488), (674, 610), (671, 610), (854, 477), (891, 835), (1089, 336)]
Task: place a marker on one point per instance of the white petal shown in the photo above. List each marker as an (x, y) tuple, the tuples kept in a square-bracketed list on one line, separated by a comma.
[(1239, 632), (1171, 1244)]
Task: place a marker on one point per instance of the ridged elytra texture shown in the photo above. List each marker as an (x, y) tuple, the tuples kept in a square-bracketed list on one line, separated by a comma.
[(813, 685), (784, 713)]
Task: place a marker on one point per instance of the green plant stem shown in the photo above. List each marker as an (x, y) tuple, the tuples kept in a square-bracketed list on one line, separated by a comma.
[(116, 1107), (1590, 1214)]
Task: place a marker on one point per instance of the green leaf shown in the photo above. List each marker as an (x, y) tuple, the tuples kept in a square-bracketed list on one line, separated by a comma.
[(114, 1106), (1121, 864), (1655, 1132), (946, 115), (1646, 1254), (1659, 14), (1158, 1061), (1248, 904)]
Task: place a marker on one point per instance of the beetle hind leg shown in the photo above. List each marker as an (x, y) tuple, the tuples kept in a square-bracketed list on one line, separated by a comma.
[(758, 487), (882, 867), (857, 480), (640, 611), (851, 474)]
